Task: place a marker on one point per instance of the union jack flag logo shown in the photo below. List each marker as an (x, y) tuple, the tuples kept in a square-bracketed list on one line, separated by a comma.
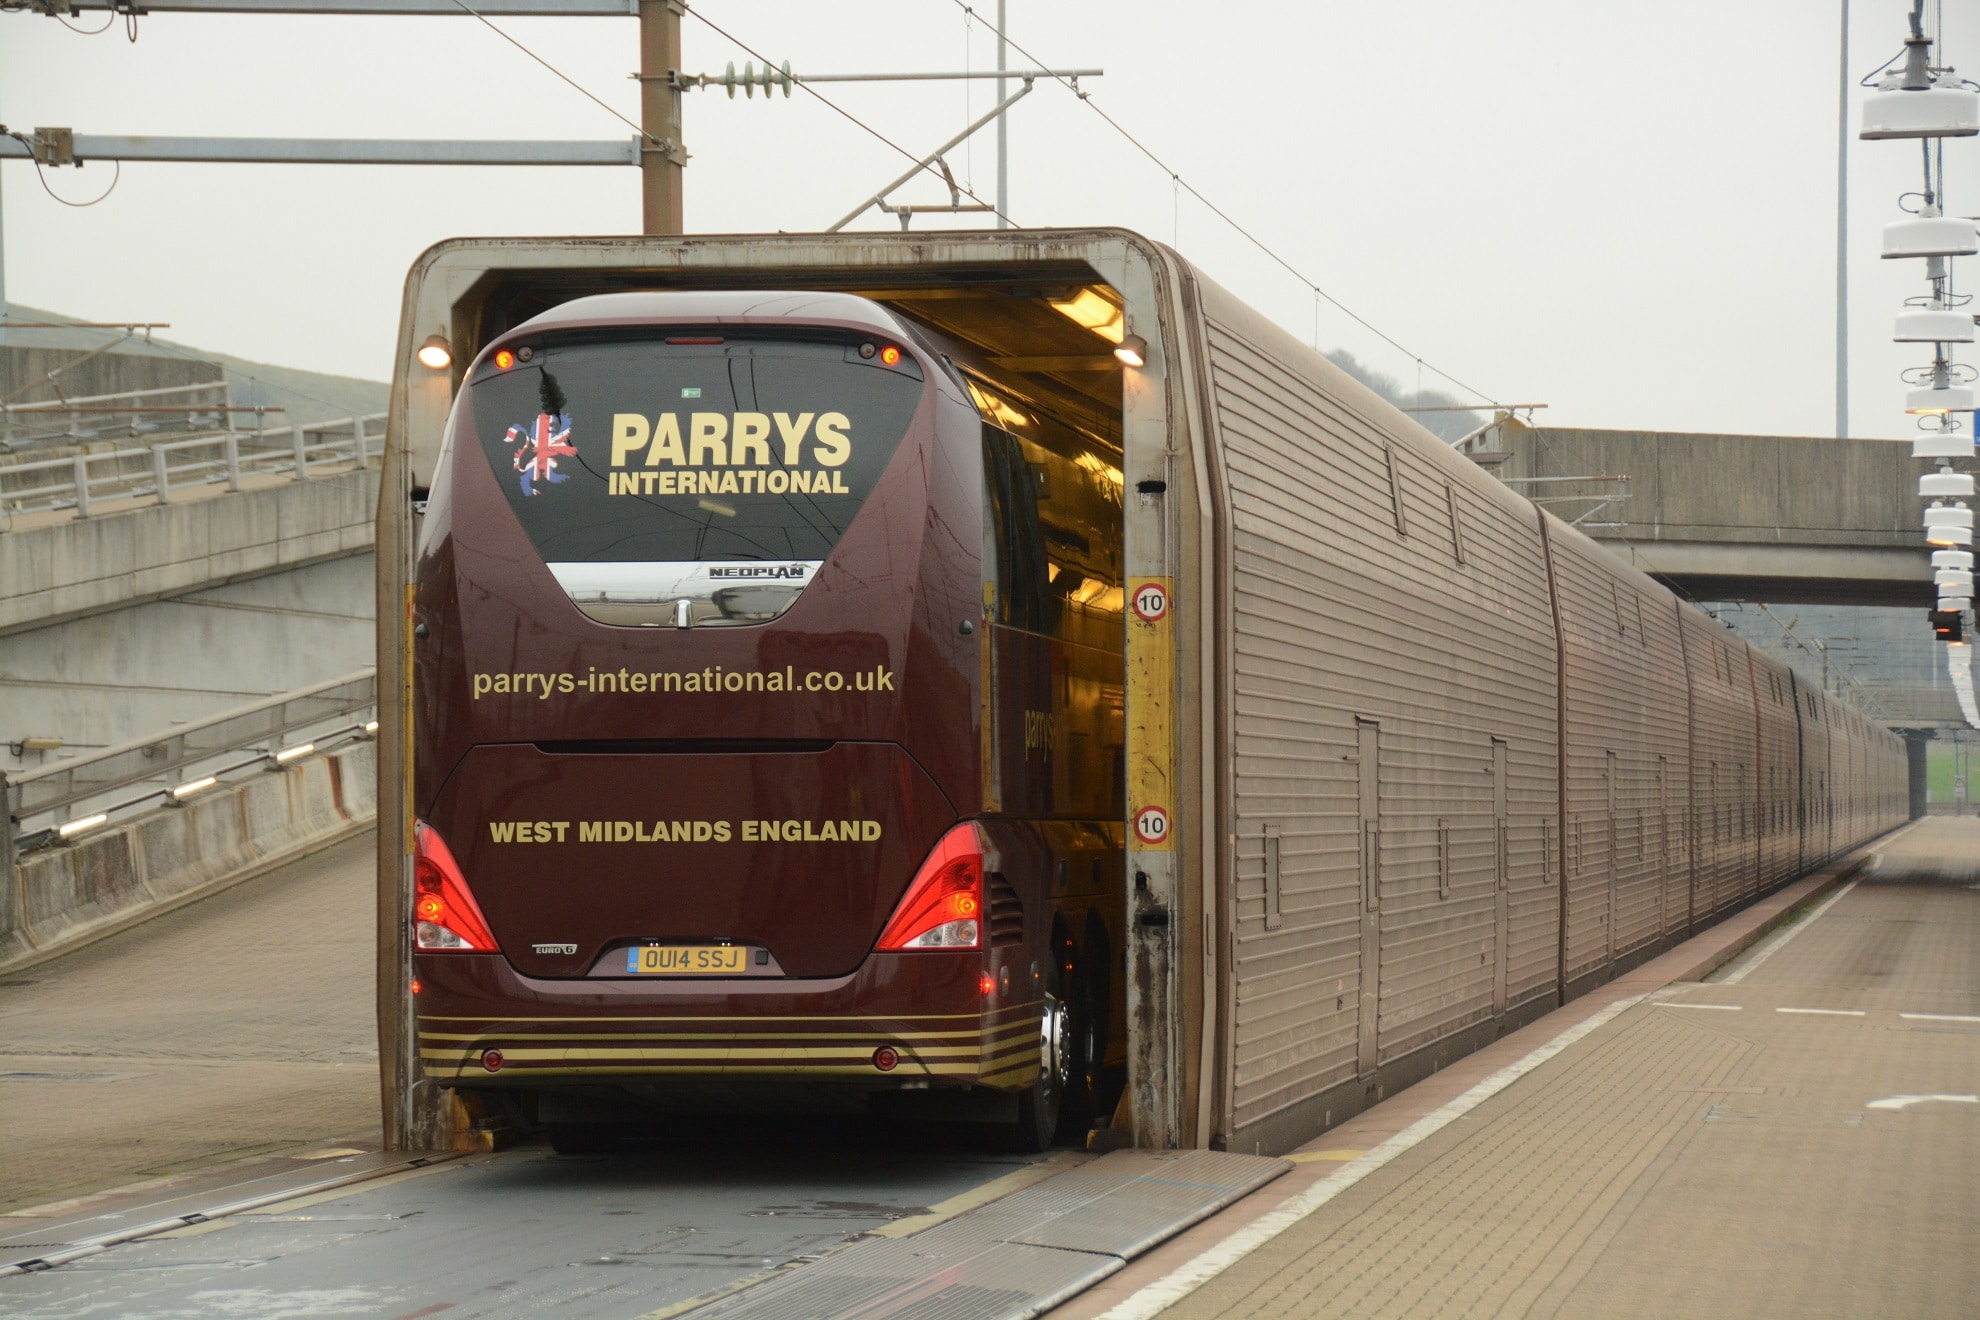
[(539, 446)]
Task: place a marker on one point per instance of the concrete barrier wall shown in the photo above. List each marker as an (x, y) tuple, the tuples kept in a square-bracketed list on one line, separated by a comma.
[(116, 877), (88, 565)]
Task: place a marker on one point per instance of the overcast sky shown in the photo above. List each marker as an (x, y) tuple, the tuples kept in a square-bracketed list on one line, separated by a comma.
[(1625, 211)]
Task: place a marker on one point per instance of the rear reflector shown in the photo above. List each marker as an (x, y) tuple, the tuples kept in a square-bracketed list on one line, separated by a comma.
[(445, 915), (943, 907)]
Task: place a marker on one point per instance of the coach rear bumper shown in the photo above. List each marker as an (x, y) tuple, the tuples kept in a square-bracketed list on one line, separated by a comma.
[(930, 1008)]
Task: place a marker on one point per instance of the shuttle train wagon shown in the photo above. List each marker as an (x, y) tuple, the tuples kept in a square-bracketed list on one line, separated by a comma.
[(1004, 677)]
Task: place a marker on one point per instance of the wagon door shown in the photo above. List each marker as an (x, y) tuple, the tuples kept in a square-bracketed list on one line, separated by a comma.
[(1370, 853), (1501, 879)]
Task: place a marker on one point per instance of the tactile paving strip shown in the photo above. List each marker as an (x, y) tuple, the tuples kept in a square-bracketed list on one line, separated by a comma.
[(1017, 1257)]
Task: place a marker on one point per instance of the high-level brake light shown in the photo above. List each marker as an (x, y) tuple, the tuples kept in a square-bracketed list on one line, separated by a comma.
[(943, 906), (445, 914)]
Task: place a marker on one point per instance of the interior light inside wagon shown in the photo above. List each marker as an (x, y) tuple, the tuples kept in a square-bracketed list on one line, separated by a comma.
[(1096, 309)]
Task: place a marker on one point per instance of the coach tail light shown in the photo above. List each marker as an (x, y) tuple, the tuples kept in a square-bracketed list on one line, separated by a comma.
[(943, 907), (444, 912)]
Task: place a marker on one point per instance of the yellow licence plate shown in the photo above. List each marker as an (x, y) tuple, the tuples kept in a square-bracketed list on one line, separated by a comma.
[(686, 959)]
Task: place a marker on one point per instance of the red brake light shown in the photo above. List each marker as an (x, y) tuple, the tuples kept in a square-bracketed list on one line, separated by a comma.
[(445, 915), (943, 906), (890, 355)]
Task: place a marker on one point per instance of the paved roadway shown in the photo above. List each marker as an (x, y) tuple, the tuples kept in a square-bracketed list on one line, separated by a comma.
[(1796, 1137), (239, 1025), (229, 1046)]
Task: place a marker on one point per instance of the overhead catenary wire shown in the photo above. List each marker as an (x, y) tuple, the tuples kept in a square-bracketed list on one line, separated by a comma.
[(1180, 182), (849, 116), (575, 85)]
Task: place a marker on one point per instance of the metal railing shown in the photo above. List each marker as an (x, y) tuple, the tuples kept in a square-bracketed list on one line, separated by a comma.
[(202, 406), (146, 771), (82, 481)]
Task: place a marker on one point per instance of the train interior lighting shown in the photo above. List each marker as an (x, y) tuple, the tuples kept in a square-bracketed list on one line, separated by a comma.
[(1096, 309)]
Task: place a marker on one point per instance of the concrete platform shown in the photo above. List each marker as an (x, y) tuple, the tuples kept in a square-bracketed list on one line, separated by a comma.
[(1796, 1136)]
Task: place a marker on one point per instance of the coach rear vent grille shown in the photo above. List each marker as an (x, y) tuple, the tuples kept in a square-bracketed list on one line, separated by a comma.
[(1006, 913)]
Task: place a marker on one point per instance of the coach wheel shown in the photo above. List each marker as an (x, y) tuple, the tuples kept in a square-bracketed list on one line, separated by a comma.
[(1086, 1055), (1038, 1104), (1095, 974), (585, 1138)]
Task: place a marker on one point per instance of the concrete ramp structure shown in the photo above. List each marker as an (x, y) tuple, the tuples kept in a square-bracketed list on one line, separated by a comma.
[(1782, 519)]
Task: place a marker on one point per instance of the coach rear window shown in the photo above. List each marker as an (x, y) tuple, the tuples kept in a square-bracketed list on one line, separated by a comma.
[(642, 450)]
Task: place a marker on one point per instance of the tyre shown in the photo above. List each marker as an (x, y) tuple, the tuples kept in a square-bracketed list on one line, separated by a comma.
[(1037, 1122)]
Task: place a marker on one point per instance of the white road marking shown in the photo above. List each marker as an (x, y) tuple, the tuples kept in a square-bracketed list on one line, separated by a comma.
[(1723, 1008), (1773, 946), (1824, 1012), (1941, 1017), (1906, 1101), (1166, 1291)]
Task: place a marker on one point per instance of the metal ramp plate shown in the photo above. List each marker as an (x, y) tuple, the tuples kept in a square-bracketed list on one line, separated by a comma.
[(1017, 1257)]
